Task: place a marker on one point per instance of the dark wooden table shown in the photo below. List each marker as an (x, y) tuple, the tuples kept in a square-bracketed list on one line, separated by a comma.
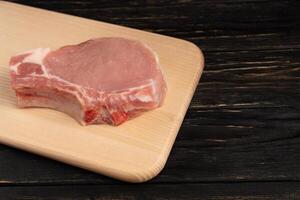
[(241, 136)]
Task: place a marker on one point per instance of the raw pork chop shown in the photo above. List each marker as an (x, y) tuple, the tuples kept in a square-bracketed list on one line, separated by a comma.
[(104, 80)]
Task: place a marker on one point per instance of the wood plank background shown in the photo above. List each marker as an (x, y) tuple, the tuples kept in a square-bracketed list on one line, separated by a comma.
[(241, 136)]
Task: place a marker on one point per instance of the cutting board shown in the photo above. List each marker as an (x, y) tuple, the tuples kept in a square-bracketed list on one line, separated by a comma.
[(135, 151)]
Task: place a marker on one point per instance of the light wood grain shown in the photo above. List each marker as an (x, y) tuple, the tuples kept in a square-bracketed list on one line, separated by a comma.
[(135, 151)]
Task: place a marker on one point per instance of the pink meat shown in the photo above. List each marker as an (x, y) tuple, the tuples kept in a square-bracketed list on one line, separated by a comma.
[(104, 80)]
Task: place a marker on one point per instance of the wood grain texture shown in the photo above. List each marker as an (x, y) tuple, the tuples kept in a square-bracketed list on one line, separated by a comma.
[(135, 151), (215, 191), (241, 132)]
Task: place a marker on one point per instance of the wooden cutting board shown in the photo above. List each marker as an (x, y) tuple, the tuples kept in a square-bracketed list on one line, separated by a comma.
[(135, 151)]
